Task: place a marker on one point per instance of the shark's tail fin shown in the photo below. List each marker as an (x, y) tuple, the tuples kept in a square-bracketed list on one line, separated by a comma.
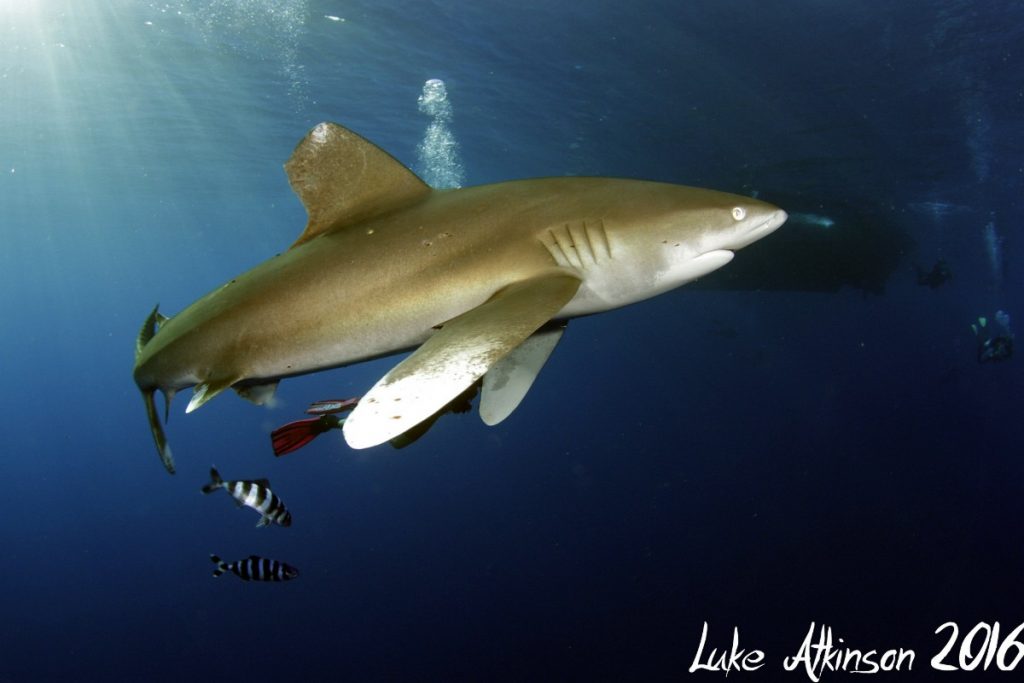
[(149, 328), (162, 447), (215, 481)]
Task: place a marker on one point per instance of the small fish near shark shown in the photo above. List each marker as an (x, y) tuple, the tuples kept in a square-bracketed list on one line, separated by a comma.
[(255, 568), (478, 280), (255, 494)]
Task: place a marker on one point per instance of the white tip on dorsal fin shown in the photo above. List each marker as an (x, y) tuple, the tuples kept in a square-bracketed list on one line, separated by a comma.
[(343, 178), (505, 385)]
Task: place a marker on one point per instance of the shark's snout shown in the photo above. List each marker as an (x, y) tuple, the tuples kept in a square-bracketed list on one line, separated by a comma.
[(765, 227)]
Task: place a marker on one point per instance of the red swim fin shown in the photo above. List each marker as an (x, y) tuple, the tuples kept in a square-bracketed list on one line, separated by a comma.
[(295, 435)]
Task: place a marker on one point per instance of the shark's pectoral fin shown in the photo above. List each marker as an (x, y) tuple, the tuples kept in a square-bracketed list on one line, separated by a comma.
[(505, 385), (204, 391), (342, 178), (463, 403), (260, 394), (162, 447), (457, 355)]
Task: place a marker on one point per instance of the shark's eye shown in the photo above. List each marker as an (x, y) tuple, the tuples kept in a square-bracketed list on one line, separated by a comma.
[(739, 213)]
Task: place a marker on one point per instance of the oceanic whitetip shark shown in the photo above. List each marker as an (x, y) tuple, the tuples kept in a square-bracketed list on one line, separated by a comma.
[(479, 280)]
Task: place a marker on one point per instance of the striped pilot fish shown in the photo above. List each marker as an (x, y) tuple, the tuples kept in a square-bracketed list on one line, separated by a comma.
[(255, 568), (255, 494)]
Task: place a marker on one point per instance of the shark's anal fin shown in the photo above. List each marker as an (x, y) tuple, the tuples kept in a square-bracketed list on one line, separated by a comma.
[(162, 447), (457, 355), (168, 397), (342, 178), (505, 385)]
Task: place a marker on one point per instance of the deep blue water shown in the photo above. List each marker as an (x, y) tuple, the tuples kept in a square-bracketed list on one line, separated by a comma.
[(758, 457)]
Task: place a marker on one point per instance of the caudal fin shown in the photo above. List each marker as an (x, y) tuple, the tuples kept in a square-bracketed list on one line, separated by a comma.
[(163, 448), (149, 328), (295, 435), (215, 481), (221, 565)]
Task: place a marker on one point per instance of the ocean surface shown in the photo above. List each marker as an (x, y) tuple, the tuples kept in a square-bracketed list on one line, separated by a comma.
[(813, 443)]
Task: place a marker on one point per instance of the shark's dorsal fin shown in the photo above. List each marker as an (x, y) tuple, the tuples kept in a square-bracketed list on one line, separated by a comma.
[(455, 357), (505, 385), (342, 179)]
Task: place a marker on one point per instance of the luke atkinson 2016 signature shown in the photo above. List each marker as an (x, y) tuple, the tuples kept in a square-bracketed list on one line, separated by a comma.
[(982, 648)]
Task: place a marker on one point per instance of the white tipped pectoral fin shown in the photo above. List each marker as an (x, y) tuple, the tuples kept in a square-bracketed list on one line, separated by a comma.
[(505, 385), (455, 357)]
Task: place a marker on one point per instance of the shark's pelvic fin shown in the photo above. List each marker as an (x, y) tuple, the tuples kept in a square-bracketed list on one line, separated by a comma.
[(204, 391), (342, 179), (260, 394), (457, 355), (505, 385)]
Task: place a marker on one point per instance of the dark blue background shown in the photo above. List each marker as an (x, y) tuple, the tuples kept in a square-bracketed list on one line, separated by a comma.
[(760, 459)]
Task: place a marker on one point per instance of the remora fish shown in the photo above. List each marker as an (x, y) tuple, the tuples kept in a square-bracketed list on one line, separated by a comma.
[(255, 494), (480, 279), (255, 568)]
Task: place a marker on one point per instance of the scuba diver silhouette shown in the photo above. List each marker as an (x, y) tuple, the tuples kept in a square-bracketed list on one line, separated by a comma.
[(997, 347)]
